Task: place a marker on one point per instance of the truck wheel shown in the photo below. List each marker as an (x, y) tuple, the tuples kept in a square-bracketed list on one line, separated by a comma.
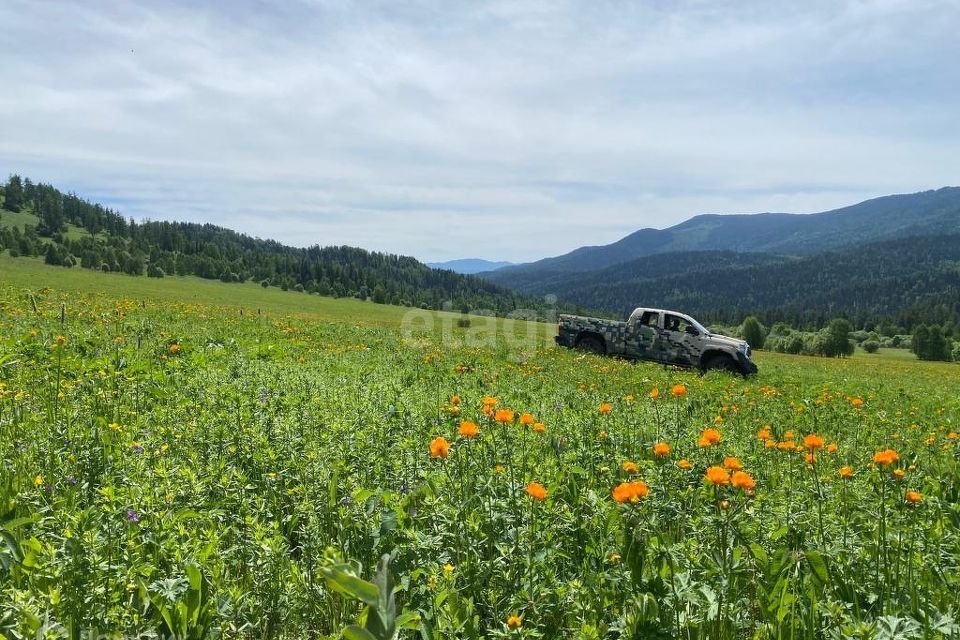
[(721, 363), (591, 344)]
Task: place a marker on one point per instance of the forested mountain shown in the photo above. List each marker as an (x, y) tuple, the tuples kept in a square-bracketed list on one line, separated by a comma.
[(883, 218), (67, 230), (910, 281)]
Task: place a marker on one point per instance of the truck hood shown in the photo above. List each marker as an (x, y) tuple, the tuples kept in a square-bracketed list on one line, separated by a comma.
[(736, 343)]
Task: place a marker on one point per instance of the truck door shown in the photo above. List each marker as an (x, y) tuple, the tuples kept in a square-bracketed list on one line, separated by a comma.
[(643, 332), (679, 340)]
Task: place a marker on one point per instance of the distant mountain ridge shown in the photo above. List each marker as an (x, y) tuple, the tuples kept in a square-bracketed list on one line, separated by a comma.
[(887, 217), (469, 265), (911, 280)]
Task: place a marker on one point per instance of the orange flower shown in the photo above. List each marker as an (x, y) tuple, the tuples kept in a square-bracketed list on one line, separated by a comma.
[(832, 447), (454, 400), (718, 476), (606, 407), (514, 623), (527, 419), (539, 427), (786, 446), (732, 463), (439, 447), (174, 348), (654, 393), (603, 435), (468, 429), (887, 456), (743, 480), (537, 491), (630, 491), (764, 434), (812, 441), (661, 449), (788, 435), (678, 390), (629, 467), (810, 458), (913, 497), (952, 435), (684, 464), (856, 402), (769, 444), (846, 472), (708, 438), (504, 415)]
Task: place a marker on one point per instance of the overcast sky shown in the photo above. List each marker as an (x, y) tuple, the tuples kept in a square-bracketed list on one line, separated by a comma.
[(508, 130)]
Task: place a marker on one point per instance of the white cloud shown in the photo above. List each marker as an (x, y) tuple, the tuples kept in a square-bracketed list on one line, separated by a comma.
[(510, 130)]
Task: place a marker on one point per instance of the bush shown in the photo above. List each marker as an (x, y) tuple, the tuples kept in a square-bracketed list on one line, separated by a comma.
[(956, 352), (753, 332), (870, 346)]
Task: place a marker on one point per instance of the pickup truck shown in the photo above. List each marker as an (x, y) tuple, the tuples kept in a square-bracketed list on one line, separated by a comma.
[(658, 335)]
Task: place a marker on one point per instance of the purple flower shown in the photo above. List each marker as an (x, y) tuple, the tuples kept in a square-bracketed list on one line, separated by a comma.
[(71, 480), (132, 516), (137, 447), (346, 501)]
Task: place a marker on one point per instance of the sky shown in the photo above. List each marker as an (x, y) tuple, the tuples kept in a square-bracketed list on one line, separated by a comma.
[(509, 130)]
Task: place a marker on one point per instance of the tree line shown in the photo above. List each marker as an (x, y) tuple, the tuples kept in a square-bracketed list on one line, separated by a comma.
[(110, 242)]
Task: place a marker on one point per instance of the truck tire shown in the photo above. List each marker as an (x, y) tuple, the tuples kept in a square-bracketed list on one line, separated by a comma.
[(591, 344), (721, 362)]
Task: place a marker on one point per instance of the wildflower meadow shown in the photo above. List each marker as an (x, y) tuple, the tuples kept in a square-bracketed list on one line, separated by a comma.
[(174, 470)]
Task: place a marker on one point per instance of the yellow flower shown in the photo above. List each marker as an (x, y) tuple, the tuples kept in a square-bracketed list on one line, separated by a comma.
[(537, 491), (37, 481), (732, 463), (630, 491), (885, 457), (439, 447), (743, 480), (468, 429), (514, 623), (448, 568), (718, 476), (708, 438), (629, 467)]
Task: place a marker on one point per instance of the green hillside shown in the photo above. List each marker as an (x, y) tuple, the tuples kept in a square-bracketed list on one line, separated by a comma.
[(66, 230), (889, 217)]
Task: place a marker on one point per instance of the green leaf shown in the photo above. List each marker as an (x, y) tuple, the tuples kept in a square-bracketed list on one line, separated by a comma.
[(353, 632), (352, 586), (818, 567)]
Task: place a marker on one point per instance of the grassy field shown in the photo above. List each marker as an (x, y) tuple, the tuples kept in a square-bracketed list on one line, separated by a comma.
[(25, 217), (174, 468)]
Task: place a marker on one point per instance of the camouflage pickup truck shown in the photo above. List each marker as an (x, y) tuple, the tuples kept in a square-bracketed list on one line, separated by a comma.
[(663, 336)]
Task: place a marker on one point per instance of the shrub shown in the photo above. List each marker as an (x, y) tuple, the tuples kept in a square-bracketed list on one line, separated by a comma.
[(870, 346)]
